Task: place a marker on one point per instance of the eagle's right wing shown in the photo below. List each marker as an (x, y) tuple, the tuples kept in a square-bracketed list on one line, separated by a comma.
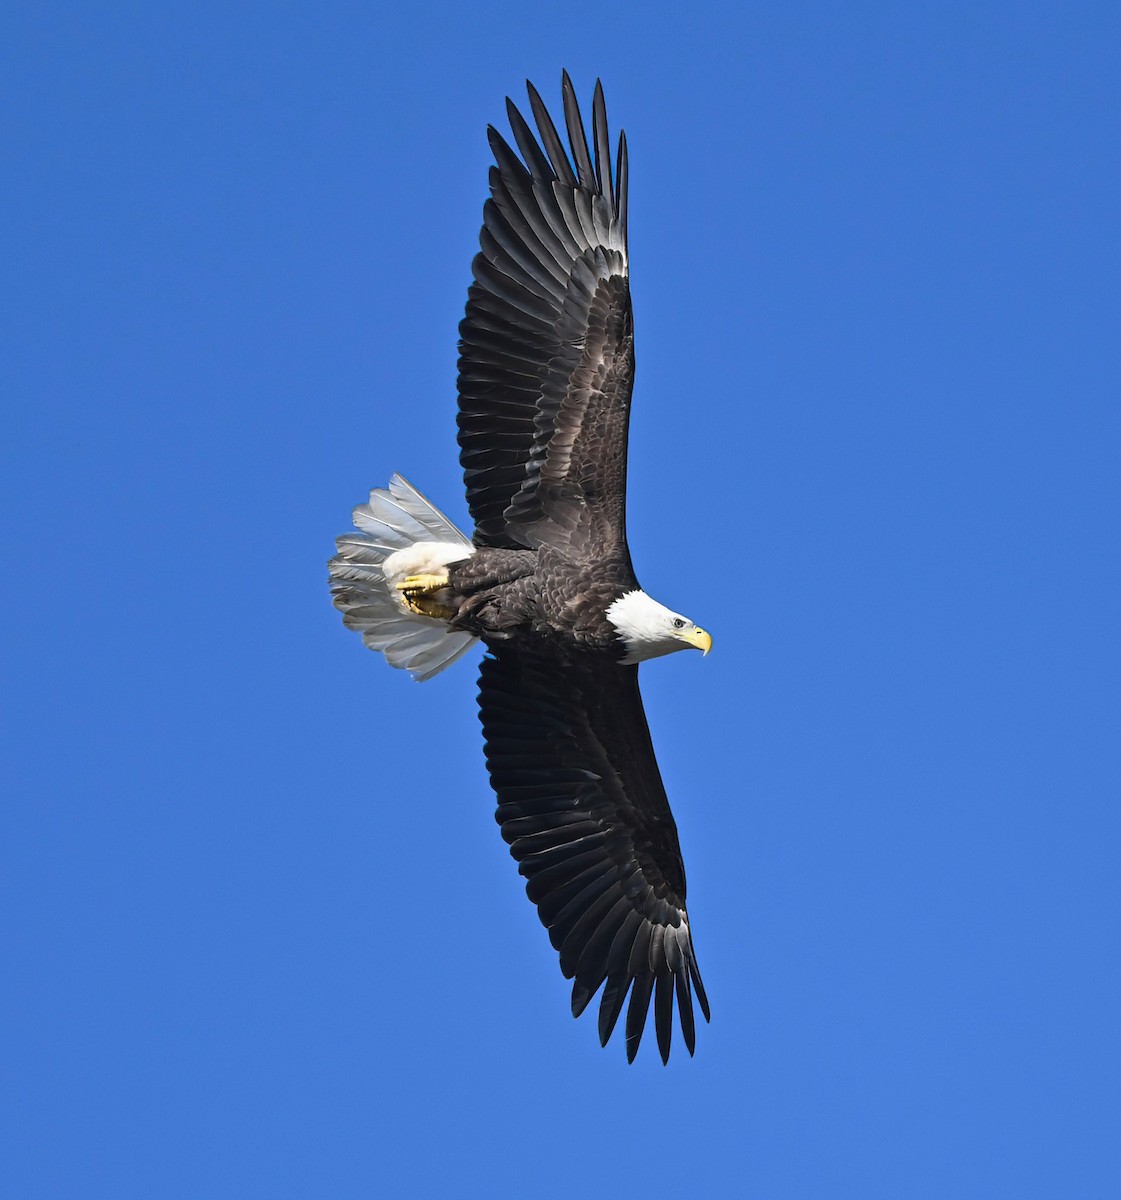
[(581, 803), (546, 347)]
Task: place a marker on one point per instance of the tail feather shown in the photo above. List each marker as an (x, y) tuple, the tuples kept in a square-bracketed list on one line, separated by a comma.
[(404, 516), (363, 581)]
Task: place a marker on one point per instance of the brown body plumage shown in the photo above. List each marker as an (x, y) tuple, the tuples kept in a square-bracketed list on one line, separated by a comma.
[(497, 593)]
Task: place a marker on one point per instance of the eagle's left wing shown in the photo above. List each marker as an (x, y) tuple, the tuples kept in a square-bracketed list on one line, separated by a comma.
[(581, 803), (547, 346)]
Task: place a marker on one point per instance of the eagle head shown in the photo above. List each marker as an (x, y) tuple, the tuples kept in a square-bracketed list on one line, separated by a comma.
[(648, 629)]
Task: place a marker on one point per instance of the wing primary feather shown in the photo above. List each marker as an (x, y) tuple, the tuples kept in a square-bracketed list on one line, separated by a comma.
[(698, 987), (602, 144), (535, 159), (531, 228), (638, 968), (594, 954), (671, 948), (636, 1012), (584, 204), (561, 910), (618, 975), (576, 963), (587, 944), (554, 147), (611, 1004), (560, 215), (621, 176), (582, 994), (508, 162), (522, 250), (568, 206), (576, 136), (685, 1011), (663, 1012), (654, 955)]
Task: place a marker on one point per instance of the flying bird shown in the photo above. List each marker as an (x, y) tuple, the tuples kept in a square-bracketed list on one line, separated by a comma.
[(545, 582)]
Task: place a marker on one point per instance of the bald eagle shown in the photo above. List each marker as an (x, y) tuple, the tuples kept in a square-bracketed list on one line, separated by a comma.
[(546, 582)]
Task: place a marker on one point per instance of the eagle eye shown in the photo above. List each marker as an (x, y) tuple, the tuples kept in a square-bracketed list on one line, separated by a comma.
[(678, 623)]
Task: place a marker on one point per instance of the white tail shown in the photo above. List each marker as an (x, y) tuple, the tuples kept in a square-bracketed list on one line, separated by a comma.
[(398, 533)]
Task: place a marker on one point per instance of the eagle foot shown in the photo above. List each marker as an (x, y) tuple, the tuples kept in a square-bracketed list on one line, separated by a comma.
[(419, 594)]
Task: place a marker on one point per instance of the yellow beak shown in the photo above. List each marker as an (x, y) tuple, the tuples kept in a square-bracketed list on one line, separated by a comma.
[(698, 638)]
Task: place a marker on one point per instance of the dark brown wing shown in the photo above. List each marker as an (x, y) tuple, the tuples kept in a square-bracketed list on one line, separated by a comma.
[(582, 805), (547, 348)]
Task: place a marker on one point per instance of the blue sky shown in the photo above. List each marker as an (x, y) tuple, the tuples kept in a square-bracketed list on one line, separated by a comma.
[(262, 938)]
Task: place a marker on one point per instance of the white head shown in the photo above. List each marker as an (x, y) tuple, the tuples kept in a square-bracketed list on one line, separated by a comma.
[(649, 629)]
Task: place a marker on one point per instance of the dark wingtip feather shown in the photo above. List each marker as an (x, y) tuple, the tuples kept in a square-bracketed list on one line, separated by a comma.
[(534, 157), (602, 145), (663, 1013), (621, 177), (577, 138), (685, 1012), (636, 1012), (551, 140), (508, 162), (699, 988), (581, 996), (610, 1006)]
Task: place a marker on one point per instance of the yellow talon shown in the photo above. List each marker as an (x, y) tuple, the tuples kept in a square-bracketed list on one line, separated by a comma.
[(417, 592), (422, 583)]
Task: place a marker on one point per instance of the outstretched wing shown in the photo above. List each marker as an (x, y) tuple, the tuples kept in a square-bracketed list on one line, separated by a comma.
[(581, 803), (547, 347)]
